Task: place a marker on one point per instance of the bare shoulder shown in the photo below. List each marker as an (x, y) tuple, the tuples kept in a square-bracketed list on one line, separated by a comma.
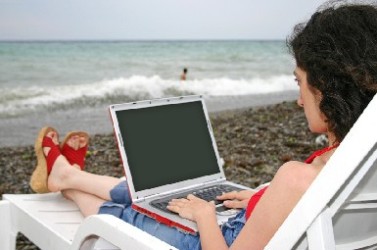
[(297, 175), (286, 188)]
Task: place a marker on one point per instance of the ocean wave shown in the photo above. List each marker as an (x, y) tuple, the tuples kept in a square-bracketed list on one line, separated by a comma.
[(16, 101)]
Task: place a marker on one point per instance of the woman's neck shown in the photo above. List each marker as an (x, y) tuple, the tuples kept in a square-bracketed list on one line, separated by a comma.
[(332, 140)]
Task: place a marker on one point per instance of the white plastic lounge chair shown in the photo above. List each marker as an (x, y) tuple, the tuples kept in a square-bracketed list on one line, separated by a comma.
[(338, 211), (52, 222)]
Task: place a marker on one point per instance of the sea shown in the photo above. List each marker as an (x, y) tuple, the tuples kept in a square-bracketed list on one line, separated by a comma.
[(41, 78)]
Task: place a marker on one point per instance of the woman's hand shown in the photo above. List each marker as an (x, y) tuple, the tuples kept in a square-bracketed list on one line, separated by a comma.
[(191, 208), (236, 199)]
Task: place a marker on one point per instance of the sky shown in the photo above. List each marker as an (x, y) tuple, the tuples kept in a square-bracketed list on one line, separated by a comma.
[(151, 19)]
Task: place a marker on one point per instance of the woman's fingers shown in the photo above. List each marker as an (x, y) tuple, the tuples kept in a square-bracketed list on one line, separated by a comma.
[(236, 199), (192, 197), (235, 204), (176, 204), (228, 196)]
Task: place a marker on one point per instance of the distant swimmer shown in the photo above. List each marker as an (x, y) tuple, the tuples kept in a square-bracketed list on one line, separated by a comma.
[(184, 73)]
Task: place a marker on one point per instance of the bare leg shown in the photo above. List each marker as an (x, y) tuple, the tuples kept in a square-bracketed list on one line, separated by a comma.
[(89, 204), (63, 176)]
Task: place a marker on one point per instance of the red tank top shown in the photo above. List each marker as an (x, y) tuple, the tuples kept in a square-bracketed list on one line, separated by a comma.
[(256, 197)]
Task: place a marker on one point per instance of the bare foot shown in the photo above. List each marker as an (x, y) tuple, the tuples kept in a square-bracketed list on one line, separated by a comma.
[(45, 145), (74, 147), (54, 136), (76, 142), (62, 171)]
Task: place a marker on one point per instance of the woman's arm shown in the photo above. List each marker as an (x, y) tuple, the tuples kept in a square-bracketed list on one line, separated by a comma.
[(203, 213), (287, 187), (285, 190)]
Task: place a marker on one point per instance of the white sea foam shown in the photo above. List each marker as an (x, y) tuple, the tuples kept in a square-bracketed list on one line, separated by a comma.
[(15, 101)]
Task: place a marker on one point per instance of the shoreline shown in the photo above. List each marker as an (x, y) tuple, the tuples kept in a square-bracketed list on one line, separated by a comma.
[(21, 131)]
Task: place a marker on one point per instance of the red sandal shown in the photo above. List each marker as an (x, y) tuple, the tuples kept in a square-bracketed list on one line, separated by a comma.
[(38, 180), (75, 156)]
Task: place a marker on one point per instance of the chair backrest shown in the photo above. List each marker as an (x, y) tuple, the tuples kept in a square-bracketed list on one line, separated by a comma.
[(339, 210), (355, 223)]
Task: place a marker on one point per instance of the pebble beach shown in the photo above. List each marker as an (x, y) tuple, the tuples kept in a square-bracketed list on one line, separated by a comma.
[(254, 142)]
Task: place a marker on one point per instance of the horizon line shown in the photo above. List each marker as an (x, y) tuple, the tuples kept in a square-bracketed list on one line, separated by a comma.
[(138, 40)]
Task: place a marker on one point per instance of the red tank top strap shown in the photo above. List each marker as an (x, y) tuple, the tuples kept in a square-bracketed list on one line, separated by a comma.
[(320, 152), (253, 202)]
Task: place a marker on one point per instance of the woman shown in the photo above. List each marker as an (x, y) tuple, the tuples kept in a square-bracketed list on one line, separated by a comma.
[(336, 57)]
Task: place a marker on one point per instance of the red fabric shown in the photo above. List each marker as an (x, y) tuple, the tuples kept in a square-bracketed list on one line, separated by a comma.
[(256, 197), (253, 202), (319, 152), (75, 156), (52, 154)]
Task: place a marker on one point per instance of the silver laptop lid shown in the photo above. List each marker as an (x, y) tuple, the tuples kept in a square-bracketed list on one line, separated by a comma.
[(166, 144)]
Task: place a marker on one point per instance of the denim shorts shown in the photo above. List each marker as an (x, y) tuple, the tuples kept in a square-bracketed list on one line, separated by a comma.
[(120, 206)]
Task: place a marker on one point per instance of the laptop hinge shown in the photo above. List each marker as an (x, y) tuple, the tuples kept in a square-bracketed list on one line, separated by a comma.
[(180, 190)]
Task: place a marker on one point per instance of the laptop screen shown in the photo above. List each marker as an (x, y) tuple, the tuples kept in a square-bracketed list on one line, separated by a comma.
[(167, 144)]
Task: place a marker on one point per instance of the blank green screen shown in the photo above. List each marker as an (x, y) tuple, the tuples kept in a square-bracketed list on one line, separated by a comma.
[(167, 144)]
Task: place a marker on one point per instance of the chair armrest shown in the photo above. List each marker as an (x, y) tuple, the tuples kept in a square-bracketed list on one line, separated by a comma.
[(116, 232)]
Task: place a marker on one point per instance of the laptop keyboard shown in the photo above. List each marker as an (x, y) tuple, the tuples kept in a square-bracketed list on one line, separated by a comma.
[(207, 193)]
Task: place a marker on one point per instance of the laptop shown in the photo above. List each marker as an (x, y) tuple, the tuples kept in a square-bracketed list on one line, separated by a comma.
[(168, 151)]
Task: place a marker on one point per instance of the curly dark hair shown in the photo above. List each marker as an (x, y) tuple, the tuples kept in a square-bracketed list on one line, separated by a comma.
[(337, 48)]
